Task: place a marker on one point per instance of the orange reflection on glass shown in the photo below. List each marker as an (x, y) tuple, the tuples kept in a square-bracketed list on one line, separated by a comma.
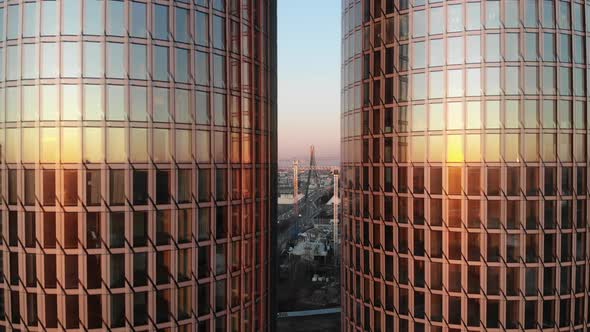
[(71, 145), (473, 148), (49, 147), (183, 146), (436, 149), (93, 145), (493, 147), (12, 145), (116, 145), (455, 148), (161, 149), (30, 144), (418, 148), (138, 145)]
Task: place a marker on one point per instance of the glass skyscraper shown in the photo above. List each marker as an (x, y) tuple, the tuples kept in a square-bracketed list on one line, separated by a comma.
[(137, 144), (465, 146)]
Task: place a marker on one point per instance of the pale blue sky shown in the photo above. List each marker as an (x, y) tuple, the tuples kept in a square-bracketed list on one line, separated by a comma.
[(309, 78)]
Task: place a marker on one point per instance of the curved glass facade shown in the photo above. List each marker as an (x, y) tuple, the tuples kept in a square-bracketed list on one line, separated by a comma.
[(136, 141), (464, 144)]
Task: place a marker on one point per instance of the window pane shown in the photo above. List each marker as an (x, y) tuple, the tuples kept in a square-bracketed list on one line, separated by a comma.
[(49, 148), (220, 109), (31, 28), (115, 60), (138, 103), (182, 25), (138, 61), (473, 16), (116, 145), (202, 107), (71, 59), (115, 102), (161, 152), (160, 22), (160, 63), (49, 102), (219, 71), (93, 104), (202, 68), (455, 18), (116, 18), (30, 61), (13, 22), (182, 65), (12, 63), (71, 102), (218, 32), (49, 64), (160, 107), (71, 17), (436, 20), (138, 145), (202, 29), (93, 145), (181, 102), (71, 145), (93, 66), (48, 18), (138, 20), (93, 15), (30, 103)]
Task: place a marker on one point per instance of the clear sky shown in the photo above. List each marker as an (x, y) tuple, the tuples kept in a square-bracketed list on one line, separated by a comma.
[(309, 78)]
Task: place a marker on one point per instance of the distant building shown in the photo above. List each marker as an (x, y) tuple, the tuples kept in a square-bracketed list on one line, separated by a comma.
[(464, 165)]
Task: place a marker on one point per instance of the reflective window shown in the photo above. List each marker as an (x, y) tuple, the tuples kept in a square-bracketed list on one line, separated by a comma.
[(202, 68), (492, 14), (93, 102), (115, 18), (436, 49), (563, 15), (455, 18), (202, 107), (138, 144), (31, 28), (160, 66), (473, 49), (30, 102), (12, 29), (138, 103), (93, 64), (564, 48), (531, 47), (160, 105), (12, 63), (218, 32), (49, 64), (71, 57), (115, 60), (455, 50), (549, 47), (138, 61), (492, 47), (201, 28), (160, 24), (115, 150), (530, 13), (512, 48), (30, 61), (511, 13), (419, 23), (182, 25), (181, 102), (93, 145), (115, 103), (219, 71), (71, 99), (48, 18), (138, 19), (473, 16), (219, 105), (93, 24), (182, 65), (548, 14), (72, 17), (436, 20), (49, 102), (161, 151)]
